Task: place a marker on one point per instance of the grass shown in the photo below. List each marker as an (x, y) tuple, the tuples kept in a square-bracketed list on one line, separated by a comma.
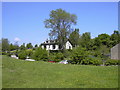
[(29, 74)]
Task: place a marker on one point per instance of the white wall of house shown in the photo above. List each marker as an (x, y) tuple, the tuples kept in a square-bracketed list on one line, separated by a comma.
[(42, 46), (47, 47), (56, 47), (68, 45), (51, 47)]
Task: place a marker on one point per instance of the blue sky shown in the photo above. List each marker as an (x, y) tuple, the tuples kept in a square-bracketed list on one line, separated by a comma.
[(23, 21)]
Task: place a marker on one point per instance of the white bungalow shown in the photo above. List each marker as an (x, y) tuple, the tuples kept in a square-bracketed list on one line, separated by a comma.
[(53, 45)]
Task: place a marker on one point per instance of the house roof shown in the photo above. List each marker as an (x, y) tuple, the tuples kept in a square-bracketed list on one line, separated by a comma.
[(49, 42), (52, 42)]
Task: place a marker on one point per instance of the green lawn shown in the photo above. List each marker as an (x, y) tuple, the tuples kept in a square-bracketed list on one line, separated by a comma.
[(39, 74)]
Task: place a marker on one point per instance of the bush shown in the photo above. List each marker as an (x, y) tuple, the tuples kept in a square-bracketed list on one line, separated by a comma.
[(29, 52), (4, 53), (59, 57), (15, 52), (86, 61), (40, 54), (92, 61), (22, 55), (8, 54), (67, 53), (56, 57), (96, 61), (78, 54), (112, 62)]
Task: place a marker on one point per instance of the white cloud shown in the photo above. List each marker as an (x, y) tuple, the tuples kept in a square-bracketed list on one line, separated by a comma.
[(17, 39)]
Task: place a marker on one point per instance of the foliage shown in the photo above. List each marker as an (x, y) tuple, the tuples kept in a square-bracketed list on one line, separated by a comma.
[(22, 55), (115, 38), (29, 46), (40, 54), (60, 22), (67, 53), (92, 61), (12, 47), (22, 47), (5, 44), (29, 52), (78, 54), (16, 46), (102, 51), (56, 57), (112, 62), (74, 37), (8, 53), (36, 45), (85, 39), (102, 39)]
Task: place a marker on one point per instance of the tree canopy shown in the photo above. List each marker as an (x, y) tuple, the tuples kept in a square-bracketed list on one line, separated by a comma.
[(60, 22), (74, 37)]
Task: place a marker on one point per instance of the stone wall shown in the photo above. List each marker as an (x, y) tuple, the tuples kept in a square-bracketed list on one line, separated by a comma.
[(115, 52)]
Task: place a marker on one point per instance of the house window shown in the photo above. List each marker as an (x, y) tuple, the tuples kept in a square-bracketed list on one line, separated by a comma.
[(45, 46), (69, 47), (46, 41), (60, 47), (53, 46)]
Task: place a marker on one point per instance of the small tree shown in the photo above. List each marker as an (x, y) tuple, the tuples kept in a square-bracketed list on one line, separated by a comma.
[(36, 46), (29, 52), (40, 54), (29, 46), (22, 55), (78, 54), (56, 57), (22, 47), (5, 44), (74, 37), (12, 47)]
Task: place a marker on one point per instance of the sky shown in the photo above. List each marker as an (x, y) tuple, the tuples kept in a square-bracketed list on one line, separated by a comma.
[(24, 21)]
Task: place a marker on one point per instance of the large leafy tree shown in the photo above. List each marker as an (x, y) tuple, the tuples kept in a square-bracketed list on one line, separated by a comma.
[(102, 39), (84, 39), (60, 22), (74, 37)]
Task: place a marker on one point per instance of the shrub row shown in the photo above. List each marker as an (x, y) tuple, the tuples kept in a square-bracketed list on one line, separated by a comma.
[(92, 61), (77, 56), (56, 57), (112, 62)]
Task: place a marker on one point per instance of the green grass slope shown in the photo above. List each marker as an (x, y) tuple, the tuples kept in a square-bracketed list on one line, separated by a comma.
[(38, 74)]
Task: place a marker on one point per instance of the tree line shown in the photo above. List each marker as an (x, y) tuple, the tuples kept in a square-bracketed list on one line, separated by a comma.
[(84, 47), (60, 22)]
